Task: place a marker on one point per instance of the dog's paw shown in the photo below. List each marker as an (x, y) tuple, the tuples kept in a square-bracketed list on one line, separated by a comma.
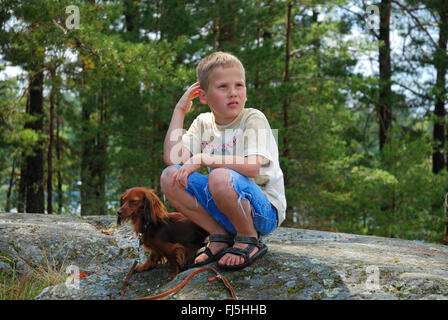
[(141, 268), (180, 254), (172, 275)]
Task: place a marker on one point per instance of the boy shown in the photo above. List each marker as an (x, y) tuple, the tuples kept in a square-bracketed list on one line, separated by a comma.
[(242, 197)]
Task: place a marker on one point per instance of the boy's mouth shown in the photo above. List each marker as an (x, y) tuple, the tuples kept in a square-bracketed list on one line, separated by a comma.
[(232, 104)]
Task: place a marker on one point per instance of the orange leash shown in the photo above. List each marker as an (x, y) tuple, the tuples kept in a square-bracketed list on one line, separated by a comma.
[(127, 278), (183, 283)]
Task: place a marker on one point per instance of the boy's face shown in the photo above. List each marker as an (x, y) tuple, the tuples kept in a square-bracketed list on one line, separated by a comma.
[(226, 93)]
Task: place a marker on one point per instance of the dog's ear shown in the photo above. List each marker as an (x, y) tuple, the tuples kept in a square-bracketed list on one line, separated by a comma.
[(147, 221), (119, 214)]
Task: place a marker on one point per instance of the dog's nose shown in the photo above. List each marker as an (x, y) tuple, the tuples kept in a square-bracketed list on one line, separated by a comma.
[(119, 212)]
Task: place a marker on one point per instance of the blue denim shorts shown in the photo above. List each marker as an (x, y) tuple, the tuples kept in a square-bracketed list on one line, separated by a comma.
[(263, 212)]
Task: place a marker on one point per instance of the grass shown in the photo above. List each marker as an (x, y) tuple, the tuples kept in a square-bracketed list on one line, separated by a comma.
[(26, 285)]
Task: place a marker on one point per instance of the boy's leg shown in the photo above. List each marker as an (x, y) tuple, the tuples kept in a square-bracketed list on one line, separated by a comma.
[(228, 202), (187, 204)]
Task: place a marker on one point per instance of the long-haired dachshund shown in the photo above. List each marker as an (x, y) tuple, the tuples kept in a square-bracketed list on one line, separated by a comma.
[(168, 237)]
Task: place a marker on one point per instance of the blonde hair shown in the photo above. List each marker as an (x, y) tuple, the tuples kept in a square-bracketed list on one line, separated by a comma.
[(213, 61)]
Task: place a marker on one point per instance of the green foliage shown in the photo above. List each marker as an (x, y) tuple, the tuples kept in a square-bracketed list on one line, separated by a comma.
[(118, 77)]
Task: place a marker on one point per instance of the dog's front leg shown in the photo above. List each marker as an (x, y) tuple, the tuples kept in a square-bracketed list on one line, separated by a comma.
[(176, 258), (151, 262)]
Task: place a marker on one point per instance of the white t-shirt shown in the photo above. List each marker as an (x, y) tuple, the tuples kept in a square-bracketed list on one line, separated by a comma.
[(248, 134)]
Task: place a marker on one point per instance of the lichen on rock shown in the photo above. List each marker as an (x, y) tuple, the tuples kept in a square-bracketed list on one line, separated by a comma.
[(300, 264)]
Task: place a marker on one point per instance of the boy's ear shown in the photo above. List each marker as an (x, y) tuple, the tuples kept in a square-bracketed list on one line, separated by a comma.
[(202, 96)]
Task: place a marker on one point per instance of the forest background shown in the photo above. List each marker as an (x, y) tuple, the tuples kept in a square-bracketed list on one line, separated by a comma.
[(357, 90)]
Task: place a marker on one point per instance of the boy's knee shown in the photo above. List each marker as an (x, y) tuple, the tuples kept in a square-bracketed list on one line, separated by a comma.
[(219, 181), (167, 178)]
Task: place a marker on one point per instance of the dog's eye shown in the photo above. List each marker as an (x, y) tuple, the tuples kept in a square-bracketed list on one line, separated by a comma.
[(133, 202)]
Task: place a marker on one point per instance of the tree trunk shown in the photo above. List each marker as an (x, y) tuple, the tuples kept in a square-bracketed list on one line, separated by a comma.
[(438, 156), (227, 24), (441, 64), (87, 158), (88, 147), (290, 218), (130, 12), (93, 162), (58, 171), (34, 178), (101, 156), (50, 146), (286, 80), (384, 102), (22, 185), (11, 182)]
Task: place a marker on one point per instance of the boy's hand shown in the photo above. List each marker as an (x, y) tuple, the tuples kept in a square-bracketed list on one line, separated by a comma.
[(191, 165), (185, 103)]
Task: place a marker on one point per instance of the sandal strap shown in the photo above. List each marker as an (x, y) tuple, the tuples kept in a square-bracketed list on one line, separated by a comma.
[(205, 250), (247, 240), (241, 252), (220, 238)]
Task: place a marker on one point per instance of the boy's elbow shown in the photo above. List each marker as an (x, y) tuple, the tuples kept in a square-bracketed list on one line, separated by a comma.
[(253, 168), (251, 175), (169, 158), (168, 161), (254, 171)]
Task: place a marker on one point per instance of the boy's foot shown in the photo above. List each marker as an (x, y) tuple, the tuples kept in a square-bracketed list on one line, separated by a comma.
[(243, 253), (212, 252)]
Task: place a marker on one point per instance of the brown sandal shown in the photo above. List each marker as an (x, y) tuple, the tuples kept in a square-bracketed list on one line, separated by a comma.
[(210, 256), (245, 253)]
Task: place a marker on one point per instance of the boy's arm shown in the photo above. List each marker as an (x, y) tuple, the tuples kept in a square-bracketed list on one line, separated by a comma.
[(173, 150), (248, 166)]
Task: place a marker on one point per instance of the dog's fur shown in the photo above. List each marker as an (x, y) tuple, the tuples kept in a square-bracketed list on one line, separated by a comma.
[(168, 237)]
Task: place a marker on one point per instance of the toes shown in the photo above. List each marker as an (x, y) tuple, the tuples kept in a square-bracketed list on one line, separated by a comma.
[(224, 260), (200, 258), (231, 260)]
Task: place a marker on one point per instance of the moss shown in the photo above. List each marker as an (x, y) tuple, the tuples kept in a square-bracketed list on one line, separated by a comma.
[(279, 284), (14, 246), (33, 229), (295, 289), (317, 296), (130, 253), (214, 295), (4, 258)]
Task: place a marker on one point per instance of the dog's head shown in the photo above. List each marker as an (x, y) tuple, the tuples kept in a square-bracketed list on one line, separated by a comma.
[(142, 207)]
